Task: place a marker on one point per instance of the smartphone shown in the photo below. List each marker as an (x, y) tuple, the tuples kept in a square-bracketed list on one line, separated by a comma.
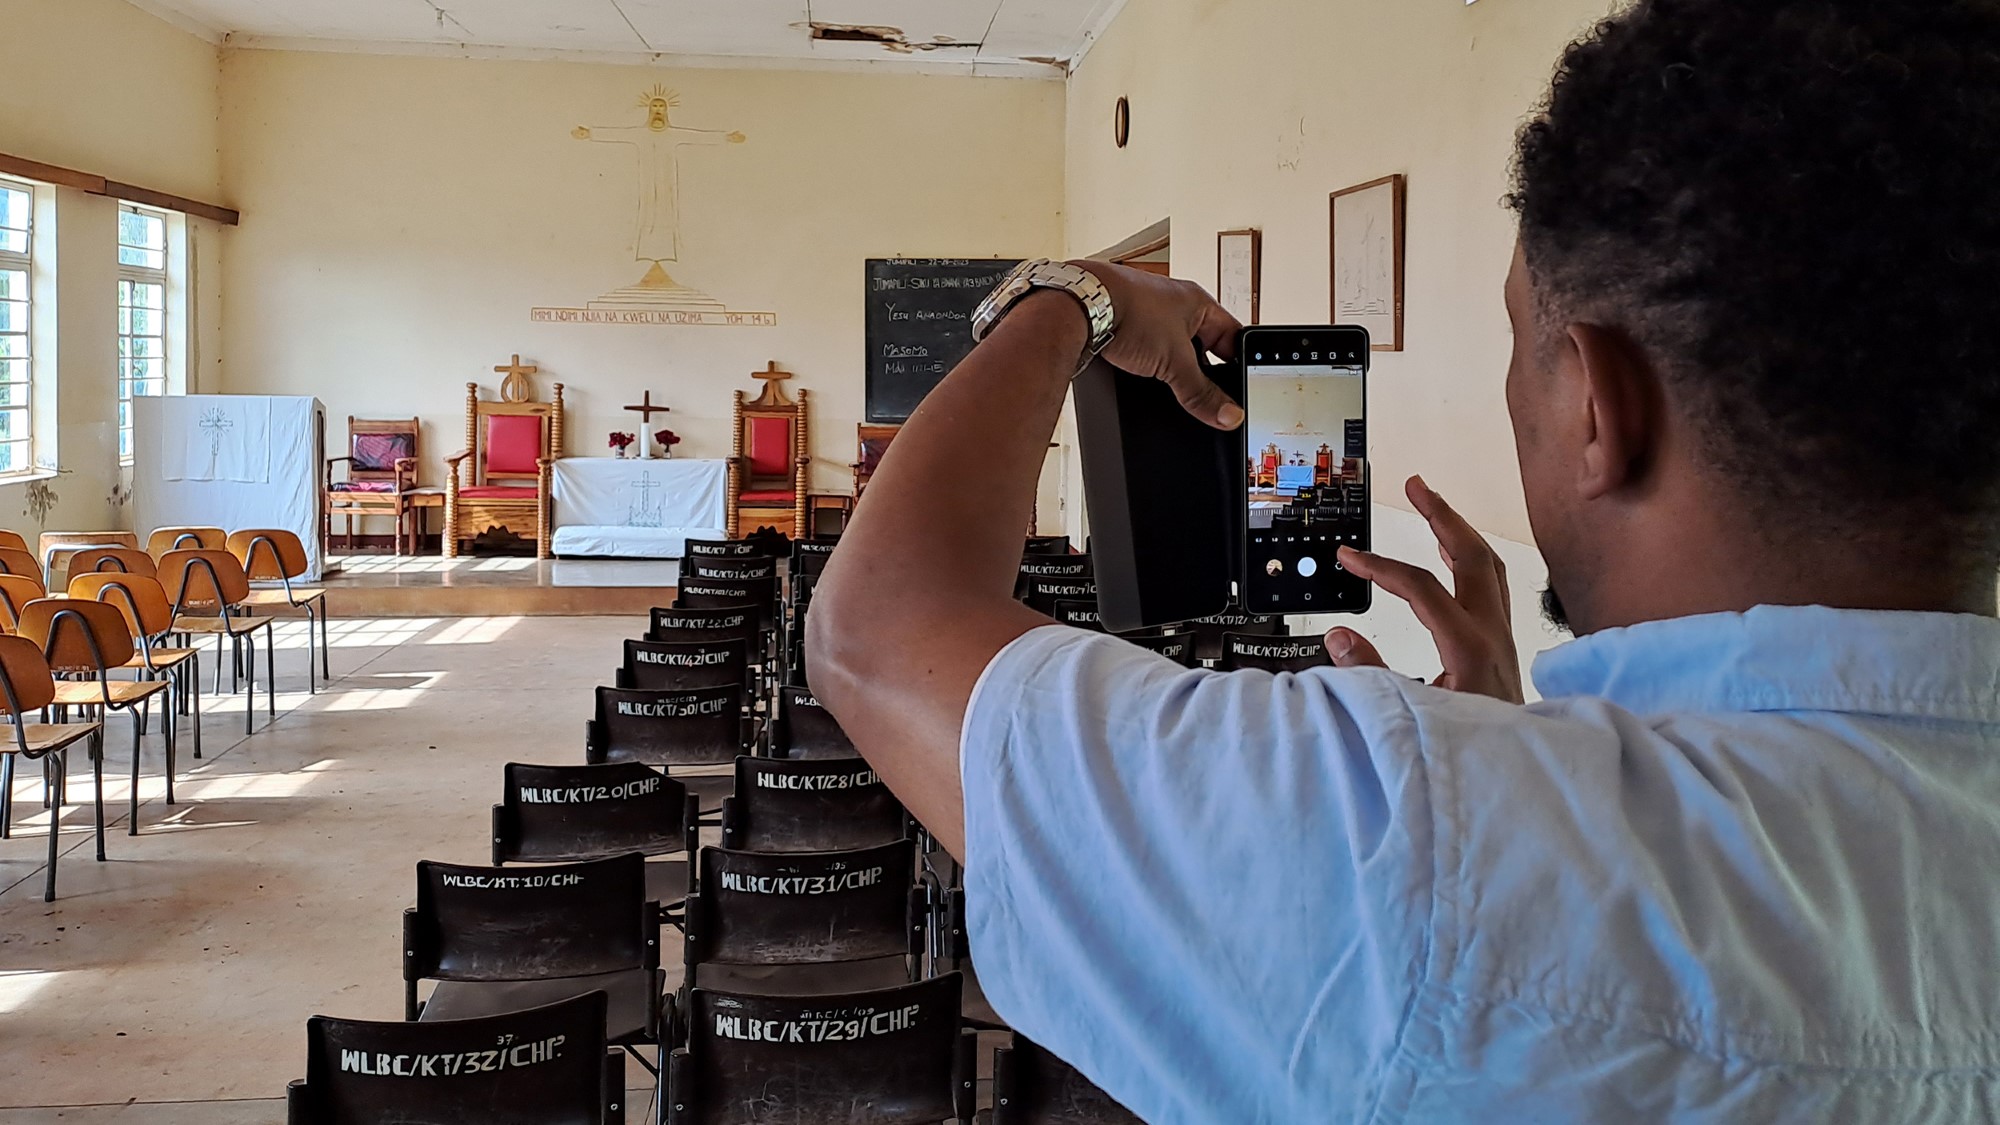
[(1306, 423)]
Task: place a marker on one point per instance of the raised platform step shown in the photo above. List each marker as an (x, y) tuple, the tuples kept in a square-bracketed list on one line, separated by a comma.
[(387, 586)]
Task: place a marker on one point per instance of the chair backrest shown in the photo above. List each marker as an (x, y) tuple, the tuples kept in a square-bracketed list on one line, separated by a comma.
[(669, 666), (1274, 654), (1078, 615), (771, 439), (728, 549), (77, 635), (126, 560), (509, 439), (703, 726), (164, 539), (547, 1066), (894, 1056), (500, 923), (725, 593), (1177, 647), (730, 569), (376, 445), (680, 626), (13, 539), (1047, 545), (139, 597), (1033, 1087), (25, 682), (821, 805), (1043, 593), (871, 444), (203, 581), (17, 561), (15, 592), (809, 556), (806, 730), (562, 814), (268, 553), (1054, 566), (1209, 631), (804, 908)]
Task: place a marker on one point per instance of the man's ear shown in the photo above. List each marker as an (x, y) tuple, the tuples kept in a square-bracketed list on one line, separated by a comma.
[(1623, 405)]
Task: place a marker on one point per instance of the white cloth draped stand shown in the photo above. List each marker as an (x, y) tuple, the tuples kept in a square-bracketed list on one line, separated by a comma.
[(638, 508), (230, 461)]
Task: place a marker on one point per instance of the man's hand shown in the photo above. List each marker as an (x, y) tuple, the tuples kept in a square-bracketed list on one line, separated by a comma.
[(1156, 321), (1473, 626)]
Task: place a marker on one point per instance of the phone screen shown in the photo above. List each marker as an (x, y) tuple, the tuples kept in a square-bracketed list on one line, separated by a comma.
[(1307, 430)]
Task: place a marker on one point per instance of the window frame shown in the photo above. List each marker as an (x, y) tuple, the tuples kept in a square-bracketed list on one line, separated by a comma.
[(137, 275), (23, 261)]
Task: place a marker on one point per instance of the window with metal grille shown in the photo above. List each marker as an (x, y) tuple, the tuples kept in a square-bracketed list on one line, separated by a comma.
[(17, 267), (142, 313)]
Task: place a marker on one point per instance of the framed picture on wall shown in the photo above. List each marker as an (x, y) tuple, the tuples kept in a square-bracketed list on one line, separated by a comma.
[(1367, 236), (1239, 267)]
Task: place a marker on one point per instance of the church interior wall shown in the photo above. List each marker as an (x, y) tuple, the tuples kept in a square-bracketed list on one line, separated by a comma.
[(101, 87), (403, 216)]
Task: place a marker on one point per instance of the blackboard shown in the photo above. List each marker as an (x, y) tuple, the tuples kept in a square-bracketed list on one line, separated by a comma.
[(920, 325)]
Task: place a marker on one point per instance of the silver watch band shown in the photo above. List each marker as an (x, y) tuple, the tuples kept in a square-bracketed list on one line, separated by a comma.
[(1043, 273)]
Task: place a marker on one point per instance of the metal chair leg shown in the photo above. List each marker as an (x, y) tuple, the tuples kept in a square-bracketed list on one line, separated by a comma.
[(326, 643), (6, 794), (132, 820), (250, 696), (271, 666), (167, 727), (96, 745), (194, 699), (55, 831), (312, 666)]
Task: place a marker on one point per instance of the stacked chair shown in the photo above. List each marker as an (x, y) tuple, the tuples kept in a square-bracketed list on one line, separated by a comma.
[(812, 976)]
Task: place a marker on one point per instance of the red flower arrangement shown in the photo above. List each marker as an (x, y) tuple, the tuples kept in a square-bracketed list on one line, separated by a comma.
[(667, 438), (620, 441)]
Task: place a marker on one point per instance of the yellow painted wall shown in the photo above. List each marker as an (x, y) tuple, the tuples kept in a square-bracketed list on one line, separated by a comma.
[(1249, 113), (403, 215), (99, 86)]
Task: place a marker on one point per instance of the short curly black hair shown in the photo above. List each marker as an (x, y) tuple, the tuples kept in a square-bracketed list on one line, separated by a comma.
[(1794, 208)]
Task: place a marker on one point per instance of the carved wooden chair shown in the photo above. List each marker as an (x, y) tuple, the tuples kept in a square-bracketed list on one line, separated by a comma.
[(767, 467), (382, 458), (513, 446), (870, 442)]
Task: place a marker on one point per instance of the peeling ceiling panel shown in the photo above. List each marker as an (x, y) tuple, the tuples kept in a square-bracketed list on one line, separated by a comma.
[(915, 23), (1043, 30), (770, 28)]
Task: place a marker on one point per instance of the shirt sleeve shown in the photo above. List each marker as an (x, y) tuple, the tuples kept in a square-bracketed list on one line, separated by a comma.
[(1210, 892)]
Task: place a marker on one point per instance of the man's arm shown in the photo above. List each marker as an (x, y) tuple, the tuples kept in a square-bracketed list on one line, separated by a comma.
[(919, 597)]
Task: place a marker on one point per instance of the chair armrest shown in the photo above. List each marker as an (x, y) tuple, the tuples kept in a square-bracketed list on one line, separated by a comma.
[(332, 461), (455, 458)]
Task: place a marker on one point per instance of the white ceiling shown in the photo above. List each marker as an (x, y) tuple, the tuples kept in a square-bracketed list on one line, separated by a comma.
[(1033, 37)]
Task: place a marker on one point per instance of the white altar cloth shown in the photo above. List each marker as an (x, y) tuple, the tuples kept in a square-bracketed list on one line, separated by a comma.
[(640, 508)]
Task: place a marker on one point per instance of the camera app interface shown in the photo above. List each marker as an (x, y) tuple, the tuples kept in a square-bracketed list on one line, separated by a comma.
[(1308, 469)]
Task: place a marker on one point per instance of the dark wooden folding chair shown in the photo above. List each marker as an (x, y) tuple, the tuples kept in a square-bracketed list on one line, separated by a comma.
[(570, 814), (1177, 647), (825, 805), (1033, 1087), (547, 1065), (1209, 631), (661, 666), (1273, 654), (804, 729), (782, 1060), (701, 729)]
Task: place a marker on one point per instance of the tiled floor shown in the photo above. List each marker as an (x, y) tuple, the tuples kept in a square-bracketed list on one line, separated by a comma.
[(171, 984)]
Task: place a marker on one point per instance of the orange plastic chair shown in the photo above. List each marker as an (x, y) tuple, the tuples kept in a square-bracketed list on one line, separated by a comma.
[(26, 685), (16, 561), (12, 539), (150, 618), (15, 592), (271, 554), (124, 560), (207, 587), (90, 638), (164, 539)]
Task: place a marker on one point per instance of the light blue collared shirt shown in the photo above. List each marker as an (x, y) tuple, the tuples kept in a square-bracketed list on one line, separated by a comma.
[(1732, 868)]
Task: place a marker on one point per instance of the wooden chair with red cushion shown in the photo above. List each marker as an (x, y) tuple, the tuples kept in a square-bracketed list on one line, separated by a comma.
[(513, 446), (767, 468), (382, 458), (871, 444)]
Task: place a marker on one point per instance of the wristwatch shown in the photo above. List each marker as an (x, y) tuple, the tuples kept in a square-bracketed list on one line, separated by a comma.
[(1043, 273)]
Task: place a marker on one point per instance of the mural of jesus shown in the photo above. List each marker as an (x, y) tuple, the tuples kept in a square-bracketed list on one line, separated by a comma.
[(658, 142)]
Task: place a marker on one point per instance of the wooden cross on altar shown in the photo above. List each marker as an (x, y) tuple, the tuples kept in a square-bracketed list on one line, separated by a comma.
[(773, 394), (646, 410), (515, 387)]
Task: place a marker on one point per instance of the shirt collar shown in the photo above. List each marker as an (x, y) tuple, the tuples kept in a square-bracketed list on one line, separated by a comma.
[(1789, 658)]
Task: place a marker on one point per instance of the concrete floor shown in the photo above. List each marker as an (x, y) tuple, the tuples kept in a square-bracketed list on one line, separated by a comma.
[(171, 984)]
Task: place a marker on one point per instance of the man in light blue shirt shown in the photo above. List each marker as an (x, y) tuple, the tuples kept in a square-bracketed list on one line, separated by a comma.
[(1738, 864)]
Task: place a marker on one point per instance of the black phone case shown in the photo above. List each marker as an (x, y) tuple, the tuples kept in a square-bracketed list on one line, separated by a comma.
[(1165, 494)]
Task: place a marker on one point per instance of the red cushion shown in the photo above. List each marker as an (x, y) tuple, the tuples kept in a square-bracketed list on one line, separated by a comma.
[(363, 486), (378, 453), (513, 443), (764, 497), (770, 441), (498, 492)]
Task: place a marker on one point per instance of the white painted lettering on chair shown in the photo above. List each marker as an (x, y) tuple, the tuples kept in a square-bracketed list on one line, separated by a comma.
[(506, 1056)]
